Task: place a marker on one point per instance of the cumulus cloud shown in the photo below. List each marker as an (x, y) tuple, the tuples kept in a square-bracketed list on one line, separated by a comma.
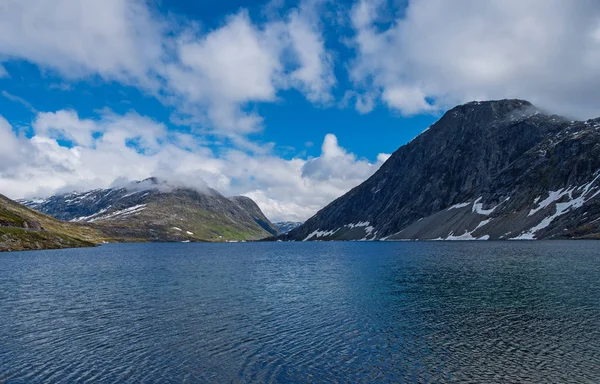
[(440, 53), (115, 148), (314, 74), (114, 39), (335, 164), (217, 73), (209, 76), (9, 144)]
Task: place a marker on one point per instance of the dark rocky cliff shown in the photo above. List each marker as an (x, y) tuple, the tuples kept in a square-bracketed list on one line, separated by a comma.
[(486, 170)]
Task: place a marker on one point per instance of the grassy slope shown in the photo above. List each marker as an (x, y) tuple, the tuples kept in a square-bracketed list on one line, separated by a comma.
[(158, 222), (155, 223), (55, 234)]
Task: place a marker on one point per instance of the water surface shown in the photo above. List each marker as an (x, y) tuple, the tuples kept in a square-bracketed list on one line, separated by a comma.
[(303, 312)]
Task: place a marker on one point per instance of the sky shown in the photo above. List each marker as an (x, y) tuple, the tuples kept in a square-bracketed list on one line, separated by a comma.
[(291, 103)]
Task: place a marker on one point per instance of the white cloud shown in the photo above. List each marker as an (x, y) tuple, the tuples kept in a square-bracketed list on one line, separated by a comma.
[(115, 39), (103, 152), (233, 63), (9, 144), (223, 70), (441, 53), (315, 72), (336, 165), (209, 76), (65, 125), (217, 73)]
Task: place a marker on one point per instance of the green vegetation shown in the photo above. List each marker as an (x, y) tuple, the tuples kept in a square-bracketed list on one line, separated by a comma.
[(8, 218), (21, 239), (183, 215), (22, 228)]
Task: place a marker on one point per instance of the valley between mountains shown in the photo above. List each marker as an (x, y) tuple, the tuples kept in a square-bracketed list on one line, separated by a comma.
[(495, 170)]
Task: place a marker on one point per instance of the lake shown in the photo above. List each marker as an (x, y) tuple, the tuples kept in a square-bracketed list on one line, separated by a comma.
[(482, 312)]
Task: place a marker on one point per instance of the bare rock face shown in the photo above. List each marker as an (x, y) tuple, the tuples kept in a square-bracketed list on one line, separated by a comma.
[(486, 170), (32, 224)]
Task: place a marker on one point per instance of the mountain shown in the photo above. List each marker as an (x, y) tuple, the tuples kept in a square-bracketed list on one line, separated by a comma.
[(24, 229), (486, 170), (153, 210), (254, 211), (286, 226)]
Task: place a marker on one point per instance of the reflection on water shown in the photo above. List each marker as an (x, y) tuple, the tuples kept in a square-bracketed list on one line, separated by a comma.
[(297, 312)]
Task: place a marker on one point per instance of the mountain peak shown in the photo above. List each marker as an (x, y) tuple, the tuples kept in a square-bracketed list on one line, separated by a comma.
[(498, 157), (514, 103), (493, 109)]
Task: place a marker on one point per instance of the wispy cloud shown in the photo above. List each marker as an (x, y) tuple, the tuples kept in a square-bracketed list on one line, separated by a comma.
[(208, 76), (19, 100)]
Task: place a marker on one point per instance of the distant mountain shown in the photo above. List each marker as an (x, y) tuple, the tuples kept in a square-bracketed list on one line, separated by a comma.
[(156, 211), (486, 170), (286, 226), (24, 229)]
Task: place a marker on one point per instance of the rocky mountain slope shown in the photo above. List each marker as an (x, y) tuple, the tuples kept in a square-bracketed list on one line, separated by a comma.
[(24, 229), (286, 226), (153, 210), (486, 170)]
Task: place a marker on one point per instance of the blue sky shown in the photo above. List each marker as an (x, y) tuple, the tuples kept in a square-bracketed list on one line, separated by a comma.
[(291, 103), (296, 125)]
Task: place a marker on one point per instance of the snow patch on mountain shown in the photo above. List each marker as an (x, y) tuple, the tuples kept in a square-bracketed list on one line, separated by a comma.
[(319, 233), (478, 207), (561, 208), (457, 206), (120, 213)]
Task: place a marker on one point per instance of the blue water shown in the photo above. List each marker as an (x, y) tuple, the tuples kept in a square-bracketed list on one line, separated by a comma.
[(303, 312)]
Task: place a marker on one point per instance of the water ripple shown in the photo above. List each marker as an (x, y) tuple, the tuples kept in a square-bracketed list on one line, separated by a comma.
[(298, 313)]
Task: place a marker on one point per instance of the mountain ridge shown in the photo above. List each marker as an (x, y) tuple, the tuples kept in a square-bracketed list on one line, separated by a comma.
[(479, 150), (153, 210)]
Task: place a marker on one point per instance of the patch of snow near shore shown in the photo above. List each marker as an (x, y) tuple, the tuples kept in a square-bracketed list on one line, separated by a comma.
[(368, 229), (467, 236), (478, 207), (484, 222), (361, 224), (318, 233)]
